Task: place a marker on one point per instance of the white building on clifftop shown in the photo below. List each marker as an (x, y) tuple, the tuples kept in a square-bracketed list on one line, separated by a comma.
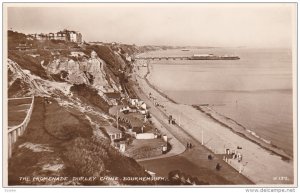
[(65, 35)]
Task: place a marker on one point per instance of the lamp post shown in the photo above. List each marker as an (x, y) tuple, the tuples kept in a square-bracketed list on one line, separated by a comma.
[(202, 137), (117, 119)]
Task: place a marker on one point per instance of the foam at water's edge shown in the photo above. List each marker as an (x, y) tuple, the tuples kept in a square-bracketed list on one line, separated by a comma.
[(266, 144)]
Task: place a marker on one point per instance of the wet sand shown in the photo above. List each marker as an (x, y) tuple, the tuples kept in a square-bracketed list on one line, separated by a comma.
[(192, 161), (258, 164)]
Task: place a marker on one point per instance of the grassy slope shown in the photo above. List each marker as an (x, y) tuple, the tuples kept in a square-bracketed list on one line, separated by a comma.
[(141, 148), (72, 143), (66, 133)]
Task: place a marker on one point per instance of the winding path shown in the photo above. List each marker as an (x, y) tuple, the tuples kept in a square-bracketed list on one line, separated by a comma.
[(192, 161)]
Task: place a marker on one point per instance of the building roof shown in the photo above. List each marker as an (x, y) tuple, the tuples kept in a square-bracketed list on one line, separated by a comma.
[(112, 130)]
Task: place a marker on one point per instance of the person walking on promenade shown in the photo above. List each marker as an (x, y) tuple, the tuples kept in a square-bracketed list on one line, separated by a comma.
[(170, 119)]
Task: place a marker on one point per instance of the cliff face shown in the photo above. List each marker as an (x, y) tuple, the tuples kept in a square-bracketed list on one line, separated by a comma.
[(96, 66), (75, 79), (88, 70)]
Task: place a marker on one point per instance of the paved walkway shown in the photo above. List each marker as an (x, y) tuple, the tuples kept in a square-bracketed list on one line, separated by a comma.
[(177, 146), (193, 161)]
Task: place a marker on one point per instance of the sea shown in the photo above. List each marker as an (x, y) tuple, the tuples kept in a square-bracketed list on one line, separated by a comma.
[(256, 91)]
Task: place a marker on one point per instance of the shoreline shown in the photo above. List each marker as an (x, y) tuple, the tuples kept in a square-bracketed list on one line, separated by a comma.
[(215, 145), (189, 156), (243, 133), (269, 147), (156, 89)]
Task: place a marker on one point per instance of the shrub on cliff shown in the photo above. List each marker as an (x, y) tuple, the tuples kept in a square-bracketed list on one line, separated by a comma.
[(114, 61), (90, 96), (104, 52), (107, 54), (96, 157), (19, 88), (130, 49), (85, 157)]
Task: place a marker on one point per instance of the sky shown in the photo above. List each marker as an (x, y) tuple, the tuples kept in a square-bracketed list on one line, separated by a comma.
[(183, 24)]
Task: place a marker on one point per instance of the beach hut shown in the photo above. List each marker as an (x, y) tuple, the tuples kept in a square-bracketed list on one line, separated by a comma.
[(121, 146), (164, 149), (113, 132), (165, 138)]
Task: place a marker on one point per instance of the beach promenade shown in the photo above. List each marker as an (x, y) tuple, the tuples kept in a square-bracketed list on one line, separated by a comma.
[(258, 164), (193, 161)]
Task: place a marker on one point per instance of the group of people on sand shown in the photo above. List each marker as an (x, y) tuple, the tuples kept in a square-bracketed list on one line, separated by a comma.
[(171, 120), (154, 100)]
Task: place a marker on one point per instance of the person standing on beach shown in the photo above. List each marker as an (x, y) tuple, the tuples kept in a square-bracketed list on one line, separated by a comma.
[(170, 119)]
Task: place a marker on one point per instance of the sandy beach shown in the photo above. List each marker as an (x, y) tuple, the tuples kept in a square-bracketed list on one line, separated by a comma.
[(258, 164)]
